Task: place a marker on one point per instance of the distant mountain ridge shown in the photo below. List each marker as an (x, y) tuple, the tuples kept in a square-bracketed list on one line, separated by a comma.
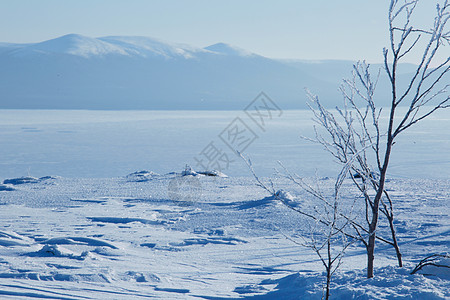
[(126, 72), (87, 47)]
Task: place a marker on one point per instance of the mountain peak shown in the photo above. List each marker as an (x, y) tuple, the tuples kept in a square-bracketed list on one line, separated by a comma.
[(74, 44)]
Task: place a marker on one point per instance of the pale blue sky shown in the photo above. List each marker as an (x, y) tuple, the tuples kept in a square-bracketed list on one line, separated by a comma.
[(320, 29)]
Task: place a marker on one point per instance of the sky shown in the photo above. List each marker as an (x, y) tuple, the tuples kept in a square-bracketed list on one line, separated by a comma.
[(296, 29)]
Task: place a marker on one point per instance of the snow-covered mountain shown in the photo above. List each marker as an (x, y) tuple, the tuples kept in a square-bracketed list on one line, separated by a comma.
[(87, 47), (124, 72), (130, 46)]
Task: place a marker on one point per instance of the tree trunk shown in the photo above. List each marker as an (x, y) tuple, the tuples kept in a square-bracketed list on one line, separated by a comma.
[(327, 292), (394, 240), (376, 201), (330, 264), (371, 250)]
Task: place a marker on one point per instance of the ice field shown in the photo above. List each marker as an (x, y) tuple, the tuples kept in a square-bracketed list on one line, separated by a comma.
[(85, 225)]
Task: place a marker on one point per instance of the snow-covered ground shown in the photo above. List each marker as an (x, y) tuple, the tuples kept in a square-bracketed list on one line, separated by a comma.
[(121, 238), (101, 231)]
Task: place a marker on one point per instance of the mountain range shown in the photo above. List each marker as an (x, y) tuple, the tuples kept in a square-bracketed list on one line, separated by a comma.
[(125, 72)]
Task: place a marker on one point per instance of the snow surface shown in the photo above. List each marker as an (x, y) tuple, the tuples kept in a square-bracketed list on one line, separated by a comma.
[(115, 238)]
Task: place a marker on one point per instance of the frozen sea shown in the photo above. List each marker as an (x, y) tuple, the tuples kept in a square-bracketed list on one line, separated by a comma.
[(92, 232), (104, 144)]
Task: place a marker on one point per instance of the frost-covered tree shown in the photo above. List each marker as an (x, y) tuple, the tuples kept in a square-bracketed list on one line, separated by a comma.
[(357, 135), (327, 236)]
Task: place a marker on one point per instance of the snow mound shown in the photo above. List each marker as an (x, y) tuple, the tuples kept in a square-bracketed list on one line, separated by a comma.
[(27, 179), (21, 180), (56, 251), (78, 241), (4, 187), (53, 250), (141, 176), (140, 277), (188, 171)]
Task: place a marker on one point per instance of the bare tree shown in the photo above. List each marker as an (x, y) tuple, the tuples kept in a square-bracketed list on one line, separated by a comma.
[(330, 248), (354, 133), (328, 240)]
